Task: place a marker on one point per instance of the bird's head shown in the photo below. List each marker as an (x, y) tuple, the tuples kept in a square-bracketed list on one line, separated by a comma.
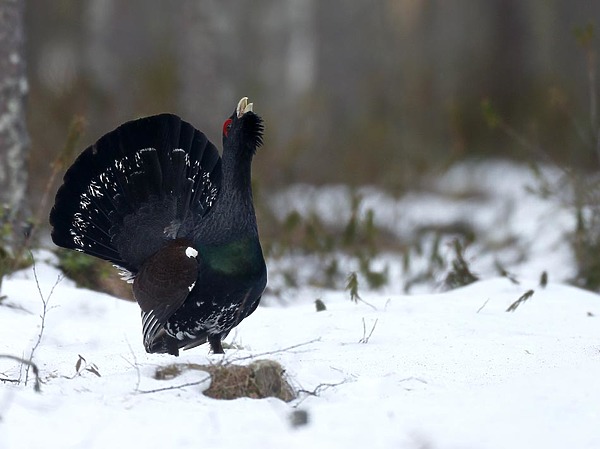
[(243, 130)]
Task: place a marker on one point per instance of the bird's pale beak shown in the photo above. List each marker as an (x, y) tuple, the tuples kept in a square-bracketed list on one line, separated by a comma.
[(243, 107)]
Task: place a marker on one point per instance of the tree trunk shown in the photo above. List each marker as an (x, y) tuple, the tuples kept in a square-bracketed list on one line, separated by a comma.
[(14, 140)]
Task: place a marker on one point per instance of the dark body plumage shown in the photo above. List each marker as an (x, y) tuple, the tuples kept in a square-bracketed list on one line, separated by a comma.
[(154, 197)]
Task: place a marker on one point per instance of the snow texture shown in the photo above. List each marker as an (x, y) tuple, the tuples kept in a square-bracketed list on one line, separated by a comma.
[(431, 370), (448, 370)]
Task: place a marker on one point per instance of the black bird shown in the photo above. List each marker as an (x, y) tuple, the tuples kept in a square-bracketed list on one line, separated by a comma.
[(155, 198)]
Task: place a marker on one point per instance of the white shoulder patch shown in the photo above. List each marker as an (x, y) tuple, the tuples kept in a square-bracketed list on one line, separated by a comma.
[(191, 252)]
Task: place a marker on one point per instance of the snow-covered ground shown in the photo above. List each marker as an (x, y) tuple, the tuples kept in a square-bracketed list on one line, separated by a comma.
[(430, 370)]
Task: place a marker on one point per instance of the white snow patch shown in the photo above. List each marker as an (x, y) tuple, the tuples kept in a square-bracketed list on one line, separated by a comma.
[(445, 370), (441, 370)]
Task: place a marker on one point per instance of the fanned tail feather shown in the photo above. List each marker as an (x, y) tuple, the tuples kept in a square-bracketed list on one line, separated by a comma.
[(127, 194)]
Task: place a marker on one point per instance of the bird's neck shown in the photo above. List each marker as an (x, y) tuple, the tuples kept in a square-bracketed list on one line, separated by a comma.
[(232, 216), (237, 176)]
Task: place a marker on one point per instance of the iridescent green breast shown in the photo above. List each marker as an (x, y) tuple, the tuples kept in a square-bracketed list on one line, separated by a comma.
[(241, 257)]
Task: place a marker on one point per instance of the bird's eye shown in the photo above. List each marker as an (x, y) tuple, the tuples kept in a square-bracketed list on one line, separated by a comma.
[(227, 126)]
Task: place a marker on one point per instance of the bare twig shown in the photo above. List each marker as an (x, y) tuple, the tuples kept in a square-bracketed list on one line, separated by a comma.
[(412, 378), (276, 351), (176, 387), (504, 273), (317, 391), (365, 338), (45, 302), (483, 305), (7, 379), (524, 297), (224, 362), (135, 366), (368, 304), (30, 364), (10, 305), (319, 388)]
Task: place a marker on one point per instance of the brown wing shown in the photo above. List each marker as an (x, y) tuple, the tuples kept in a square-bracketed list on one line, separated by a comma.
[(162, 284)]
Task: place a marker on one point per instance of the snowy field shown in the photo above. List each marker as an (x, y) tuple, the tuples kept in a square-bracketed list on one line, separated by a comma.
[(427, 370)]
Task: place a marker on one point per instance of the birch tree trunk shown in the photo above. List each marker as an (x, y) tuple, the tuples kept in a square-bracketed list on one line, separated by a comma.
[(14, 140)]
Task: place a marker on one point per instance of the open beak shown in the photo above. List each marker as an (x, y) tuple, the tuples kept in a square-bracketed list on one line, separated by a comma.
[(243, 107)]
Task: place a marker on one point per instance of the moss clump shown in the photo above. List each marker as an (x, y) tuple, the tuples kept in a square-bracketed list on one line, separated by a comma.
[(260, 379), (92, 273)]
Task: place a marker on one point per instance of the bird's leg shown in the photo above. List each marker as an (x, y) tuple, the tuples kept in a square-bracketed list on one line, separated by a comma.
[(172, 346), (215, 344)]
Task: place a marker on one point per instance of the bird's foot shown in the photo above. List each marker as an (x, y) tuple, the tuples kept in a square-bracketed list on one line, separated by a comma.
[(215, 344)]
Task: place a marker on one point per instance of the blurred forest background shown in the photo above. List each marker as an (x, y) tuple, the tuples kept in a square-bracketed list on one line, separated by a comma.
[(352, 91)]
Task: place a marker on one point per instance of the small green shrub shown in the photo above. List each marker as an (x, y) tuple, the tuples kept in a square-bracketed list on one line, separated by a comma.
[(352, 287), (14, 253), (356, 242), (460, 273)]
